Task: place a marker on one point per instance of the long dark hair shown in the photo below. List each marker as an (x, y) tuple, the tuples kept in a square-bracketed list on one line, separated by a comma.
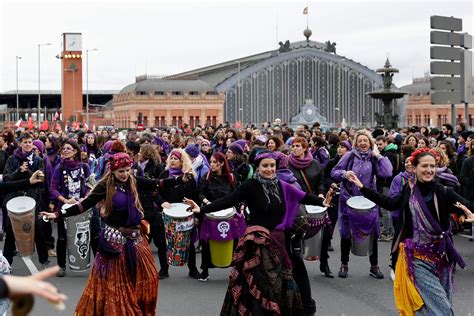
[(220, 157)]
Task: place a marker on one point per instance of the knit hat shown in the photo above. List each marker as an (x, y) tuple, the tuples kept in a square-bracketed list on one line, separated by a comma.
[(120, 160), (192, 150), (236, 148), (466, 134), (242, 143), (39, 144), (346, 144)]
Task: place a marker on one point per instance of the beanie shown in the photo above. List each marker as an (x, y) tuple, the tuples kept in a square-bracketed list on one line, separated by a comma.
[(236, 148), (192, 150)]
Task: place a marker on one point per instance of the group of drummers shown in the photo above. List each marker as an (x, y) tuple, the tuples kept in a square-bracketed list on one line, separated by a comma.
[(261, 200)]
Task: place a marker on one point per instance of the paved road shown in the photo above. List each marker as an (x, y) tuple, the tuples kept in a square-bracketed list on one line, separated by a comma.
[(359, 294)]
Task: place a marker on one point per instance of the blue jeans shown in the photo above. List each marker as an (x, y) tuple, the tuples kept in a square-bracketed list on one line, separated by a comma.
[(435, 290)]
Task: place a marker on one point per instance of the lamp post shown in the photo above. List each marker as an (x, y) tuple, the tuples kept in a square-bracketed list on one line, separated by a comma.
[(39, 79), (17, 97), (87, 83), (73, 70)]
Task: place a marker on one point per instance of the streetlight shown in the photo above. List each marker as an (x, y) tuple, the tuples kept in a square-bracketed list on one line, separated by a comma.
[(17, 97), (87, 83), (39, 79), (73, 69)]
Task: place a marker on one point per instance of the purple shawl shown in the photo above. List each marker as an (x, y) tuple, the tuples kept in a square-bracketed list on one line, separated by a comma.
[(440, 242), (292, 197)]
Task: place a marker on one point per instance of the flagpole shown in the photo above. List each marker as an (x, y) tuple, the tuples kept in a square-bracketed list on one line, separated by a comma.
[(307, 15)]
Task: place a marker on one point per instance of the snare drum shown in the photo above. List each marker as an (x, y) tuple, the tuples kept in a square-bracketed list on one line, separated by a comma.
[(219, 228), (312, 246), (21, 211), (179, 223), (78, 241)]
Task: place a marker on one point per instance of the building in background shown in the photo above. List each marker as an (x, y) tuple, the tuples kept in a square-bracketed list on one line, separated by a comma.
[(419, 111), (154, 101)]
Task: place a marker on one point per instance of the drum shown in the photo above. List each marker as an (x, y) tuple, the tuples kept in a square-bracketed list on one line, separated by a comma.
[(78, 233), (362, 205), (179, 223), (21, 211), (221, 243), (312, 246)]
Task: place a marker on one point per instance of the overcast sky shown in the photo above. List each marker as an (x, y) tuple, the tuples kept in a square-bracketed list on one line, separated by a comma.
[(163, 37)]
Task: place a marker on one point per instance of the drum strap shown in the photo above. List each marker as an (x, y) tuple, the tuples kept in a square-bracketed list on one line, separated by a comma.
[(306, 182)]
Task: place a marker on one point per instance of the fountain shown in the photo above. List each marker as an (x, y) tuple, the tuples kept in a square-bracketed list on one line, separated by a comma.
[(387, 95)]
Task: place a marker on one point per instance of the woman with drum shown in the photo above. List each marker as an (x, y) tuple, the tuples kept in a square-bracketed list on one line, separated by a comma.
[(427, 256), (309, 175), (366, 161), (123, 280), (68, 186), (177, 164), (273, 206), (216, 184)]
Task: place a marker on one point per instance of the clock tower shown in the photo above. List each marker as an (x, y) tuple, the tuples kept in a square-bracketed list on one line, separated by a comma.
[(71, 76)]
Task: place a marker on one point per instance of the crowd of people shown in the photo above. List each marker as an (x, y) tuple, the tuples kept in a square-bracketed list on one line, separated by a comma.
[(421, 179)]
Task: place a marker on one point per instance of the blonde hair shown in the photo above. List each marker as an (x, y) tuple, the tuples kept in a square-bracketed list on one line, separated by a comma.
[(186, 163), (366, 133), (443, 158)]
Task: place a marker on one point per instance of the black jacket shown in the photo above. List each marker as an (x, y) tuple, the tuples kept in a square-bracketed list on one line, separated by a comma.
[(314, 175), (466, 177), (177, 193), (12, 173), (446, 198), (213, 187)]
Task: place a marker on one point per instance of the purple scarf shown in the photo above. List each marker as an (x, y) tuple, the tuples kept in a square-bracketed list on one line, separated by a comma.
[(439, 241), (175, 172), (28, 157), (300, 163), (461, 149), (70, 165)]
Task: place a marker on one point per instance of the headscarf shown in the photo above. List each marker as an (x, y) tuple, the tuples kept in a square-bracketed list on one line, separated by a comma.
[(120, 160)]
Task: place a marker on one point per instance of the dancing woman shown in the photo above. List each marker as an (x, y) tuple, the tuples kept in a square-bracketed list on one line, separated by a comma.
[(124, 279), (427, 256), (266, 279)]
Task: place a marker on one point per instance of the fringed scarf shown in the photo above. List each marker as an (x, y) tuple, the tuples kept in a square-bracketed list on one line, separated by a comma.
[(270, 186)]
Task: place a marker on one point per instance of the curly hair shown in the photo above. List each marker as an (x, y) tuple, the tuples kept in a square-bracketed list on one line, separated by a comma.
[(148, 151)]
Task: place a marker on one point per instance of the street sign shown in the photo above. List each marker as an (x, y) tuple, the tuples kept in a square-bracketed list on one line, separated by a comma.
[(445, 83), (446, 53), (445, 68), (446, 23), (466, 41), (445, 38), (445, 97), (466, 76)]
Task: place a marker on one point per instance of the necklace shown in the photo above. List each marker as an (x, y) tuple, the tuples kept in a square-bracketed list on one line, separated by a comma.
[(121, 187)]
